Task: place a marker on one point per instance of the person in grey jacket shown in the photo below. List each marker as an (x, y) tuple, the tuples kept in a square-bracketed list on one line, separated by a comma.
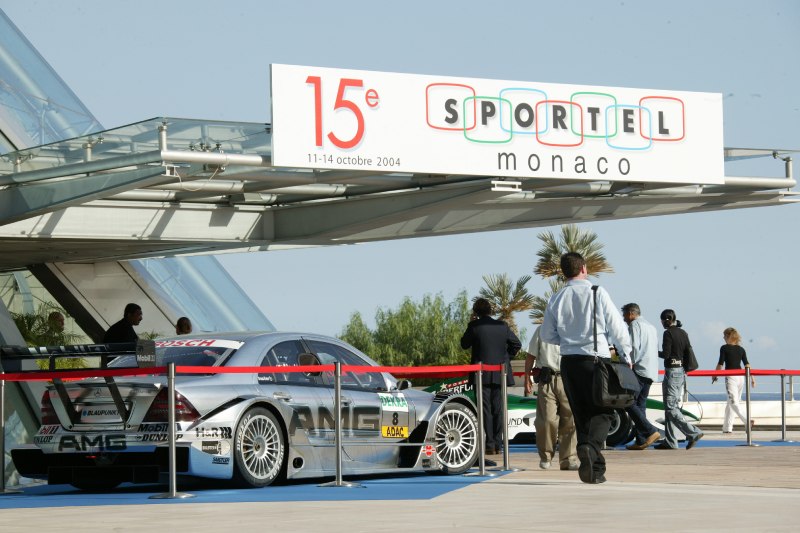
[(644, 339)]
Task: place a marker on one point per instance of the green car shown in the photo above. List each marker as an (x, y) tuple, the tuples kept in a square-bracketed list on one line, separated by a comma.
[(522, 413)]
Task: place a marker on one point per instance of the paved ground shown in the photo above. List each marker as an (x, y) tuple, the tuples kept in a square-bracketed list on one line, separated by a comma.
[(717, 486)]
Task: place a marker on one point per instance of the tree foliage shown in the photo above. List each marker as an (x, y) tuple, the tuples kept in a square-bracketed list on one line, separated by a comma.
[(506, 297), (571, 239), (38, 330), (421, 333), (540, 302)]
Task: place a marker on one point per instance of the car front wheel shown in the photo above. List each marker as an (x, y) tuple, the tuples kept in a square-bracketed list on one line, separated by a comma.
[(456, 438), (259, 448)]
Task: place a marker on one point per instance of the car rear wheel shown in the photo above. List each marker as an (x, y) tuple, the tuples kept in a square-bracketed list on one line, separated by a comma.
[(456, 438), (621, 430), (259, 448)]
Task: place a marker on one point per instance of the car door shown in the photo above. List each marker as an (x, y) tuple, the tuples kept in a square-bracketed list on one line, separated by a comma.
[(370, 413), (303, 395)]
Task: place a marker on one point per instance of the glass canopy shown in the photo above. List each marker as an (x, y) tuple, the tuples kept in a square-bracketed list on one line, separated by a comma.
[(181, 134)]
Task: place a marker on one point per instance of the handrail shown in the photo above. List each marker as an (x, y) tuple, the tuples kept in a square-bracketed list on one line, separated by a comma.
[(434, 371)]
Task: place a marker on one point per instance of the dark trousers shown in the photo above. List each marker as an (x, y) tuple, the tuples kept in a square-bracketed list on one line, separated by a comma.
[(591, 422), (493, 416), (639, 409)]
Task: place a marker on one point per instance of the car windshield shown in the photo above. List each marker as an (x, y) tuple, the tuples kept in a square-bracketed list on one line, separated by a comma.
[(190, 352)]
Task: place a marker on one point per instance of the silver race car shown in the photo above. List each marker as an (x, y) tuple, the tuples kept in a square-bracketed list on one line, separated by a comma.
[(253, 428)]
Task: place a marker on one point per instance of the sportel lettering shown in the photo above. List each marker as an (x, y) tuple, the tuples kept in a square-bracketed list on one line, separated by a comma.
[(555, 120)]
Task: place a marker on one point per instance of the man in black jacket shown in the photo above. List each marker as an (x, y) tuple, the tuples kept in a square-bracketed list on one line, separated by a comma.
[(122, 331), (492, 343)]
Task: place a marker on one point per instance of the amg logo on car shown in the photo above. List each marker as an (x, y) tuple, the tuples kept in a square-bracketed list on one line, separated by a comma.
[(353, 417), (84, 443)]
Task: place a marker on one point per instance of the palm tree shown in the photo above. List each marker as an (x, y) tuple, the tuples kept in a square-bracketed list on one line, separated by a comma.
[(572, 239), (540, 302), (38, 330), (507, 298)]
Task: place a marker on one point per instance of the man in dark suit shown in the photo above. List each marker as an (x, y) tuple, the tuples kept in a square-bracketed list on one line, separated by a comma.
[(123, 331), (492, 343)]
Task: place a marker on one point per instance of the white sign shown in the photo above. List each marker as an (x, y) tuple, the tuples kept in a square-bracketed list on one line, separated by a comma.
[(387, 122)]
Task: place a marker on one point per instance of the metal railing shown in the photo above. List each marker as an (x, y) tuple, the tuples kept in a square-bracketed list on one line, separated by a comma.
[(339, 442)]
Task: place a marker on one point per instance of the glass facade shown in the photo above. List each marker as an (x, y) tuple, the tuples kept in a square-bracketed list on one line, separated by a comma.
[(37, 109), (36, 106), (200, 288)]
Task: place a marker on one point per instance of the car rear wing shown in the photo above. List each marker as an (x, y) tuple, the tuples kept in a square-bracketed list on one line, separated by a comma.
[(14, 358)]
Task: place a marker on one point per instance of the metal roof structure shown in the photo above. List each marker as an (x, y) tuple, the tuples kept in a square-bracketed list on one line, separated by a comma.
[(167, 186)]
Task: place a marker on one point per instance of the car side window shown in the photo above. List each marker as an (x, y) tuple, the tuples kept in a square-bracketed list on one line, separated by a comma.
[(328, 353), (283, 354)]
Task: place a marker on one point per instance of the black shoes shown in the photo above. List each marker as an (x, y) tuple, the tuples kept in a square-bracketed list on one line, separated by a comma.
[(586, 469), (663, 446)]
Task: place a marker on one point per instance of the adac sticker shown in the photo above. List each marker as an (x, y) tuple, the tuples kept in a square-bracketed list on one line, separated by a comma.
[(395, 432), (393, 402)]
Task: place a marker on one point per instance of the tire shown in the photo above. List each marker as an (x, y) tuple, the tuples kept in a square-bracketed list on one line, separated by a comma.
[(259, 449), (621, 430), (456, 436)]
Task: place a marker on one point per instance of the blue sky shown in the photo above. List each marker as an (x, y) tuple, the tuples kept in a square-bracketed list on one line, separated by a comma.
[(129, 61)]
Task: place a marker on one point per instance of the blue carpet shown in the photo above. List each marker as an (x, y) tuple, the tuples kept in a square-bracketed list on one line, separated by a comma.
[(395, 487), (706, 442), (400, 487)]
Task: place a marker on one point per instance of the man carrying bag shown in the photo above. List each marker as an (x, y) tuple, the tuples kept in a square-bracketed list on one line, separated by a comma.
[(569, 323)]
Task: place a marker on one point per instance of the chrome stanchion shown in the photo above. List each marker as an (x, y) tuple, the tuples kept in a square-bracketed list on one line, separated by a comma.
[(749, 428), (481, 433), (173, 493), (3, 489), (337, 428), (783, 410), (504, 396)]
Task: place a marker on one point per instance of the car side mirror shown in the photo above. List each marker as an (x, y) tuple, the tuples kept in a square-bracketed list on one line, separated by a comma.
[(403, 384), (309, 359)]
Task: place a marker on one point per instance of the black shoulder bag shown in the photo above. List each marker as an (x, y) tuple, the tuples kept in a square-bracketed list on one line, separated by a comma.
[(614, 384)]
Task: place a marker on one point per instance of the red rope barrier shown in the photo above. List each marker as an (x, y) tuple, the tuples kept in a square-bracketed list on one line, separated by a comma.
[(252, 369), (45, 375), (397, 371)]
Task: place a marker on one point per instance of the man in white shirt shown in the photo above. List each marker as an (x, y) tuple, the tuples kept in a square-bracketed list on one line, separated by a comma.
[(582, 320)]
